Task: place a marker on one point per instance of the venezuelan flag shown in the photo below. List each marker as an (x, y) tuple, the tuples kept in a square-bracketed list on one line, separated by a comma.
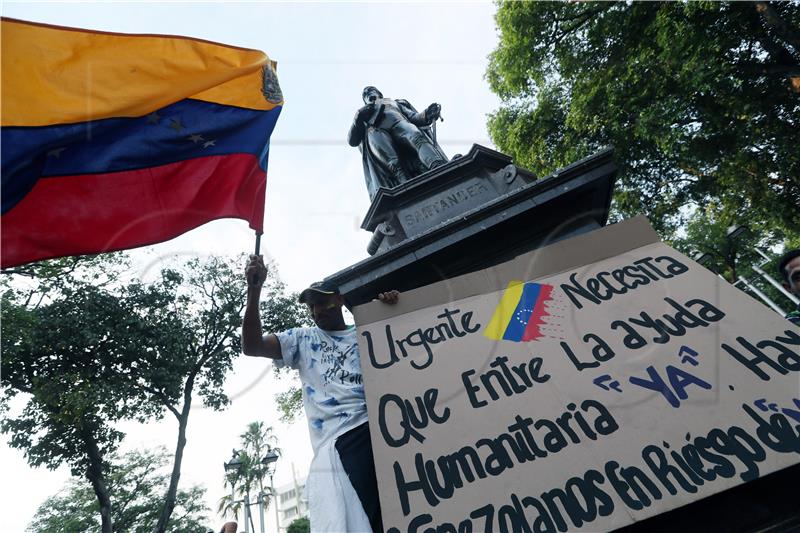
[(112, 141), (520, 313)]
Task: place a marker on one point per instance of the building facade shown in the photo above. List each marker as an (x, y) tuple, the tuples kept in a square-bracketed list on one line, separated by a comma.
[(292, 502)]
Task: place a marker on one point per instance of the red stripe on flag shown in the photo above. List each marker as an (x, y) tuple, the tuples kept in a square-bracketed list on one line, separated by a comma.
[(532, 329), (93, 213)]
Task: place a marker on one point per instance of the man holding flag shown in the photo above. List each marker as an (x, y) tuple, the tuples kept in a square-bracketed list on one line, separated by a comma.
[(342, 487)]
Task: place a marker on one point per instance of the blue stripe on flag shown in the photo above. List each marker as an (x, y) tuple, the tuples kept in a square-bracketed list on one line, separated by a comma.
[(181, 131), (519, 320)]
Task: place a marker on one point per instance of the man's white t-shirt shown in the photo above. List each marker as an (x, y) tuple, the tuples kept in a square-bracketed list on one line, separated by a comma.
[(333, 397)]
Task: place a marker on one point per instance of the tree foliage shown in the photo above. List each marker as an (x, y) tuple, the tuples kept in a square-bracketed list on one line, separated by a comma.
[(137, 482), (701, 101), (68, 342), (86, 347), (290, 404), (299, 525)]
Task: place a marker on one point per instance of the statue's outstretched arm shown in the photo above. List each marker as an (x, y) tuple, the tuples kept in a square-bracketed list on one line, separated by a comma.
[(425, 118)]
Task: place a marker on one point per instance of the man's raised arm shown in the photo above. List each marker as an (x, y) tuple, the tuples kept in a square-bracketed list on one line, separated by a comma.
[(253, 340)]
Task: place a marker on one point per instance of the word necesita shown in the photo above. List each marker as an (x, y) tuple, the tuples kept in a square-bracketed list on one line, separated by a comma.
[(605, 285)]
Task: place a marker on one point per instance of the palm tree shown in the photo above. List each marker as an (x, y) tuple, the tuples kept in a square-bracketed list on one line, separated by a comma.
[(256, 442)]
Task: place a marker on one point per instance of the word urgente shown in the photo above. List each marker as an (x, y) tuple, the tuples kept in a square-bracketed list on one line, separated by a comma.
[(445, 330)]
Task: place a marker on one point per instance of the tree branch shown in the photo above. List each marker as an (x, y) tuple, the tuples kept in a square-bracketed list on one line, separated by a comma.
[(163, 397), (581, 14), (789, 71), (560, 34)]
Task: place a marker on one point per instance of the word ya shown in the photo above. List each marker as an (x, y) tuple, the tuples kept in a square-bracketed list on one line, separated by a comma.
[(605, 285), (425, 338)]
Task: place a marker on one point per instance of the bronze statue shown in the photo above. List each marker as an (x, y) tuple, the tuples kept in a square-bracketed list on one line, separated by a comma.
[(397, 143)]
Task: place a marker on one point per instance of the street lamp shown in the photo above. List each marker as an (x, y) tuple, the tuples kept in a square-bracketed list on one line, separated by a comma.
[(704, 258), (269, 461), (232, 468), (733, 234)]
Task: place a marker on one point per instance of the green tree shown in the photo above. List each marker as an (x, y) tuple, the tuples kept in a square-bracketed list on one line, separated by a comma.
[(256, 442), (87, 349), (136, 482), (68, 340), (701, 101), (207, 299), (299, 525), (290, 403)]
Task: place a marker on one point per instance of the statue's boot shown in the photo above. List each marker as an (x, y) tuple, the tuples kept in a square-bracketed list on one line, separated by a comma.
[(398, 173), (429, 156)]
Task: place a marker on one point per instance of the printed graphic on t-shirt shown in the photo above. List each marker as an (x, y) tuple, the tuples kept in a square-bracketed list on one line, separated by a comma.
[(332, 356)]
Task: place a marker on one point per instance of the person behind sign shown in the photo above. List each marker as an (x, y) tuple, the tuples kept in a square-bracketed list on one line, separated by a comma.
[(229, 527), (342, 489), (789, 267)]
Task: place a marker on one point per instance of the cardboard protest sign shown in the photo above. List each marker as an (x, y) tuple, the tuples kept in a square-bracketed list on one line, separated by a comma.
[(583, 386)]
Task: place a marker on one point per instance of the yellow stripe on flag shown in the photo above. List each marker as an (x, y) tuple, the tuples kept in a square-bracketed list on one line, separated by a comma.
[(56, 75), (504, 311)]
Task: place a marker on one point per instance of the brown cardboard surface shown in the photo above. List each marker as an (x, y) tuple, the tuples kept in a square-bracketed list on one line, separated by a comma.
[(615, 406)]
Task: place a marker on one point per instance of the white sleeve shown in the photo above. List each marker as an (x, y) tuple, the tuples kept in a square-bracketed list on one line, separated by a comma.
[(290, 348)]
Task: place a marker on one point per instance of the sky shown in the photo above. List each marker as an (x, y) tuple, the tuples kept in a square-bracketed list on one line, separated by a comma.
[(316, 197)]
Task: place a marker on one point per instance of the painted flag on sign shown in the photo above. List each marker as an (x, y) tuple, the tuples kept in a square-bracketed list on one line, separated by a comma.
[(519, 315), (113, 141)]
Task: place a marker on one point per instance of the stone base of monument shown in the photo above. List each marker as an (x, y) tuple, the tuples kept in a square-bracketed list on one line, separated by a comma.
[(476, 211)]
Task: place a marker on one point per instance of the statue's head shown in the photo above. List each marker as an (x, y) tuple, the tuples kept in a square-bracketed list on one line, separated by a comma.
[(370, 94)]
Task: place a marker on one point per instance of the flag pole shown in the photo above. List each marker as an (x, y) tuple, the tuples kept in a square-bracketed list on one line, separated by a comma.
[(258, 242)]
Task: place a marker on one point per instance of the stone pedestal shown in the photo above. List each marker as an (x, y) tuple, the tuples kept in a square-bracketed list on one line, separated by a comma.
[(476, 211), (429, 200)]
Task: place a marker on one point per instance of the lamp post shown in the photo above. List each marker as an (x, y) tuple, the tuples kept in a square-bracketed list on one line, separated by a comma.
[(771, 280), (232, 468), (269, 461), (705, 259), (244, 467), (733, 234)]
